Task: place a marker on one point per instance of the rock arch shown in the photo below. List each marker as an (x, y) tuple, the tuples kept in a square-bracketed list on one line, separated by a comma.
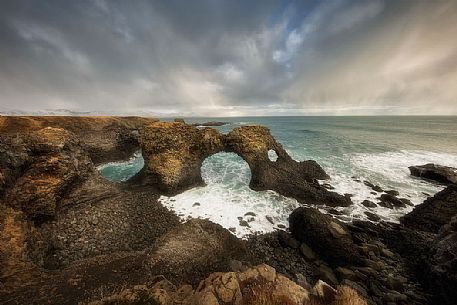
[(174, 153)]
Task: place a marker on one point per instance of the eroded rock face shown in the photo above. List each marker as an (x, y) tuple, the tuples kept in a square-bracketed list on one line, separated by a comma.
[(252, 143), (325, 235), (174, 153), (442, 174), (444, 262), (40, 168), (189, 250), (434, 212), (284, 175), (105, 139)]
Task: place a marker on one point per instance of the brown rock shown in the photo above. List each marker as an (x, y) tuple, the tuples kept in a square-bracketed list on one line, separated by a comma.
[(173, 154), (54, 165), (329, 238), (194, 249)]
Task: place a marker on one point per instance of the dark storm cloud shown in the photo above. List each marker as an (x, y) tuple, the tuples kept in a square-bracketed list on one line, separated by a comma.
[(213, 57)]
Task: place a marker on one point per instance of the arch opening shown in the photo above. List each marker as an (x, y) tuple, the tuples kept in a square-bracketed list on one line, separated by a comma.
[(228, 200), (226, 168), (123, 170)]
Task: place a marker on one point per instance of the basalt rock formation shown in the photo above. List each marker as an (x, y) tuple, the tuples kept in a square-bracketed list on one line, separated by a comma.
[(380, 261), (40, 168), (284, 175), (105, 139), (434, 212), (430, 171), (444, 262), (57, 211), (69, 236), (174, 153)]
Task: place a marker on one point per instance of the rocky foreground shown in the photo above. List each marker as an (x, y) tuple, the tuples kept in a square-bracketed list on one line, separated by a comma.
[(69, 236)]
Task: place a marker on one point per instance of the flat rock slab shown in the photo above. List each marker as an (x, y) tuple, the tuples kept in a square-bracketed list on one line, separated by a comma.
[(430, 171), (434, 212)]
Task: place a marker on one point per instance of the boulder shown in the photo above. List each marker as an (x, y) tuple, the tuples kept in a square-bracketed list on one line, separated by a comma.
[(390, 201), (193, 250), (392, 192), (257, 285), (375, 188), (438, 173), (434, 212), (369, 204), (372, 216), (328, 237)]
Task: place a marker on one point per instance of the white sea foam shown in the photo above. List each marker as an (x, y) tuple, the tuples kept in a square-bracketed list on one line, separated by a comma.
[(227, 195), (390, 171)]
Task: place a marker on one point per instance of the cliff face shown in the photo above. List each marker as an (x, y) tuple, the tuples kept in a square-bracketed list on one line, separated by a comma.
[(57, 212), (105, 138), (40, 167), (174, 153)]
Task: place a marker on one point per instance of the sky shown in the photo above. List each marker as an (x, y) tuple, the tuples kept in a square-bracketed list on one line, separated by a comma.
[(230, 58)]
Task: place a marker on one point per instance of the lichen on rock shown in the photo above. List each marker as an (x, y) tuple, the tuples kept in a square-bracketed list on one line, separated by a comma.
[(174, 153)]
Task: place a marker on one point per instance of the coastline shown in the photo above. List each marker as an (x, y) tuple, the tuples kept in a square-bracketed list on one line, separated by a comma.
[(86, 227)]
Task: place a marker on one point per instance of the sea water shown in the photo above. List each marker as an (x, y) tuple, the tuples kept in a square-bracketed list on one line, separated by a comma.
[(350, 149)]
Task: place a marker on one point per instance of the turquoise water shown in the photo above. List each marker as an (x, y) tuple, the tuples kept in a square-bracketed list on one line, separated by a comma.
[(122, 171), (377, 149)]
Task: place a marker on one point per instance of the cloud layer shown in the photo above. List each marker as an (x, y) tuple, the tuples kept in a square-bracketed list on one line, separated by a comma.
[(230, 58)]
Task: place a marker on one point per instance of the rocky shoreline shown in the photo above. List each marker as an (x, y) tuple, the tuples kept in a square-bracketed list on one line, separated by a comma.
[(69, 236)]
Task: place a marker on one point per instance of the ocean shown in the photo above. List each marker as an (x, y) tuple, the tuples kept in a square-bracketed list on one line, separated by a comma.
[(350, 149)]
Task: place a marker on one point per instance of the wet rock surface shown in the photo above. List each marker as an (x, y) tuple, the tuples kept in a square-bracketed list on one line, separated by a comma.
[(210, 123), (434, 212), (438, 173), (393, 202)]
